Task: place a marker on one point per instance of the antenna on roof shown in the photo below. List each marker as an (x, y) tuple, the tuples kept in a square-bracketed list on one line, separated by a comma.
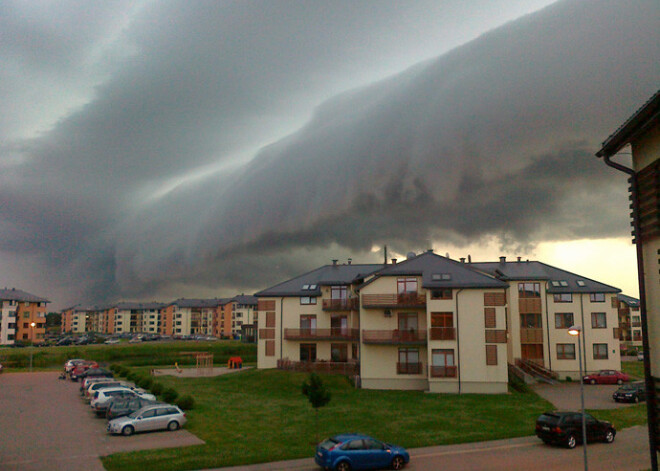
[(385, 262)]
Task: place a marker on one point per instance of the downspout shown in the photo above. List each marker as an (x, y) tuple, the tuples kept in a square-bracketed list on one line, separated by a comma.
[(651, 399), (458, 344), (547, 323), (281, 326), (583, 336)]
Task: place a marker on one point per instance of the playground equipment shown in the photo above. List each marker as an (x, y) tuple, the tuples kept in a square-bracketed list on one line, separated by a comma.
[(203, 360), (235, 362)]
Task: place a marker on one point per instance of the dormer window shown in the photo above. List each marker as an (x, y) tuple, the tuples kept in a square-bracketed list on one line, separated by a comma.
[(580, 283), (555, 284), (563, 283)]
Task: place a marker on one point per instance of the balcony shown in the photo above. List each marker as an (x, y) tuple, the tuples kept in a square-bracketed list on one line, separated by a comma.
[(349, 368), (394, 337), (443, 333), (403, 300), (531, 335), (443, 371), (322, 334), (348, 304), (408, 368)]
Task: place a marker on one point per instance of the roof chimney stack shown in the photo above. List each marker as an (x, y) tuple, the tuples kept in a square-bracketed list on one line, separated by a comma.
[(502, 259), (334, 262), (350, 260), (394, 261), (469, 258), (462, 259), (519, 258)]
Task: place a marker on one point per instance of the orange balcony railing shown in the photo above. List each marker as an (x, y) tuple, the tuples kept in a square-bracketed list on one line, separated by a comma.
[(322, 334), (394, 336), (443, 333), (393, 300), (531, 335), (443, 371), (409, 368), (340, 304)]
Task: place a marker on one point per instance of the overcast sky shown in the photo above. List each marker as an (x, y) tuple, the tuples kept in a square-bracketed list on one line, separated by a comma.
[(160, 149)]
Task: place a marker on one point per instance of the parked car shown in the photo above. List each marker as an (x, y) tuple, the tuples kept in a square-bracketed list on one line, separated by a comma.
[(112, 341), (1, 368), (633, 392), (89, 392), (87, 382), (352, 451), (95, 371), (71, 364), (103, 396), (157, 417), (123, 407), (81, 368), (640, 355), (565, 428), (606, 377)]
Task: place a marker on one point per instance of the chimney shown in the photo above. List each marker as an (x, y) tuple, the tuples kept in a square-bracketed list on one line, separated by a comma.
[(350, 260), (519, 258), (334, 262), (462, 259), (469, 258), (394, 261), (502, 259)]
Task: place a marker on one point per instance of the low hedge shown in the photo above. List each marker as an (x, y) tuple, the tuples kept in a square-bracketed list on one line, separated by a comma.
[(170, 395), (186, 402)]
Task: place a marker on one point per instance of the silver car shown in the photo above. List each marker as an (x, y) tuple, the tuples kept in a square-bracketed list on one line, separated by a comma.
[(156, 417)]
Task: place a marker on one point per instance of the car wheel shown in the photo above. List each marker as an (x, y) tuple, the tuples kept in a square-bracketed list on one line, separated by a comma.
[(172, 426), (619, 381), (398, 462), (571, 442), (128, 430), (609, 436), (343, 466), (593, 381)]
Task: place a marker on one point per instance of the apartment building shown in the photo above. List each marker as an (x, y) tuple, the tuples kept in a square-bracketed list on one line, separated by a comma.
[(129, 317), (436, 324), (22, 317), (190, 316), (630, 321)]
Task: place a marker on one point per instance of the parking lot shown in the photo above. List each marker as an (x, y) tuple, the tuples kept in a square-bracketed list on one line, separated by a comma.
[(45, 425), (566, 396)]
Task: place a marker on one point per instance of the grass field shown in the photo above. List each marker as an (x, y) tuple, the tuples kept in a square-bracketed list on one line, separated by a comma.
[(130, 354), (258, 416)]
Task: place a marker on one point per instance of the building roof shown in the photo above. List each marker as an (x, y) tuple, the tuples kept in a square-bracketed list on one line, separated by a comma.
[(559, 281), (630, 301), (309, 284), (13, 294), (125, 306), (642, 119), (183, 302), (245, 299), (441, 272)]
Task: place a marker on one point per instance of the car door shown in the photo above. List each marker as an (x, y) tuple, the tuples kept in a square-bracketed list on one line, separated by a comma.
[(610, 377), (147, 421), (595, 429), (355, 451), (377, 454), (162, 418)]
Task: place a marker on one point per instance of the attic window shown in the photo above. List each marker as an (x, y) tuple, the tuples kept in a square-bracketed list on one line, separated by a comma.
[(580, 283), (555, 283), (305, 287), (312, 287), (563, 283), (441, 277)]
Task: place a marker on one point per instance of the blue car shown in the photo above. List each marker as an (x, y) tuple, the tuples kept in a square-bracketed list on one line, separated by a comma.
[(352, 451)]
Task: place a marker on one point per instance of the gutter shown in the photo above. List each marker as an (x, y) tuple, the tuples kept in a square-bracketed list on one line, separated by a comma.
[(458, 344), (547, 324), (651, 399)]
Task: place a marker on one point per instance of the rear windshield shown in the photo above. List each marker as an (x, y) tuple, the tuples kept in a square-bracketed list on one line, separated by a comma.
[(548, 419), (327, 444)]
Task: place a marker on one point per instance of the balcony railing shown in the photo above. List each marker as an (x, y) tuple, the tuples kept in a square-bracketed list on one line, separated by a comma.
[(340, 304), (393, 300), (443, 333), (408, 368), (394, 336), (443, 372), (350, 368), (531, 335), (322, 334)]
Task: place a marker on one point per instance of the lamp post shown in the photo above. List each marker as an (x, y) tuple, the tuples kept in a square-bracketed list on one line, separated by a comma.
[(576, 331), (32, 326)]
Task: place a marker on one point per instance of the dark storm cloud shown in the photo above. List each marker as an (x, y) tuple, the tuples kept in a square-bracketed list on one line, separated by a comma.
[(495, 138)]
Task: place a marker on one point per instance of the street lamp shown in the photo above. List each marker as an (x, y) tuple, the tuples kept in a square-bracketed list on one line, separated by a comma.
[(576, 331), (32, 326)]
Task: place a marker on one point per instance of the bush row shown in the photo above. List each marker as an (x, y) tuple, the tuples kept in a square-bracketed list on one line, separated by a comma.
[(169, 395)]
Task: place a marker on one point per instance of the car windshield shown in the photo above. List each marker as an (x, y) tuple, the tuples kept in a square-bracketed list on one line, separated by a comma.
[(133, 415), (327, 444)]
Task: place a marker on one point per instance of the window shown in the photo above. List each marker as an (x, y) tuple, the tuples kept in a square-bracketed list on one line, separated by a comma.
[(563, 320), (491, 354), (637, 335), (307, 300), (529, 290), (600, 351), (339, 352), (407, 321), (565, 351), (442, 326), (26, 315), (441, 276), (443, 365), (308, 323), (563, 298), (338, 292), (530, 321), (636, 321), (598, 320), (308, 352), (409, 361), (580, 283), (597, 297), (441, 294), (406, 285)]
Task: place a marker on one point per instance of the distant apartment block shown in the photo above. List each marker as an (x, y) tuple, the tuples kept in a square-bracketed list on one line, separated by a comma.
[(436, 324), (22, 317), (630, 323), (190, 316)]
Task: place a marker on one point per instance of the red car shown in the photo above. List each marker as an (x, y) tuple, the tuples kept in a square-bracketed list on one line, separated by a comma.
[(606, 377), (81, 368)]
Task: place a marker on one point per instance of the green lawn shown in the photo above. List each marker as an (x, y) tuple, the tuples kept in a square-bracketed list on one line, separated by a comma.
[(633, 368), (259, 416), (130, 354)]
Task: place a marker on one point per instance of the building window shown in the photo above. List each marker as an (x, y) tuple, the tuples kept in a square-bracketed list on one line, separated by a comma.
[(637, 335), (339, 352), (443, 365), (530, 321), (407, 321), (563, 320), (597, 297), (565, 351), (529, 290), (307, 323), (26, 315), (442, 326), (338, 292), (598, 320), (441, 294), (600, 351), (308, 352), (563, 298), (307, 299), (408, 362), (636, 321), (406, 285)]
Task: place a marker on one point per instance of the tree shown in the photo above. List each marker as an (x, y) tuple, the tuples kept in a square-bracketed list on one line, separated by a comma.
[(317, 394)]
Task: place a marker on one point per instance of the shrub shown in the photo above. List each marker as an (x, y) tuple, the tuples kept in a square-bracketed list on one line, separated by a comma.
[(145, 382), (114, 367), (132, 376), (170, 395), (157, 388), (186, 402), (569, 379)]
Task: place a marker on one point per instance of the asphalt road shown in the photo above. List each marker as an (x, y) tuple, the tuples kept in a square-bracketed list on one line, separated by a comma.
[(45, 425)]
